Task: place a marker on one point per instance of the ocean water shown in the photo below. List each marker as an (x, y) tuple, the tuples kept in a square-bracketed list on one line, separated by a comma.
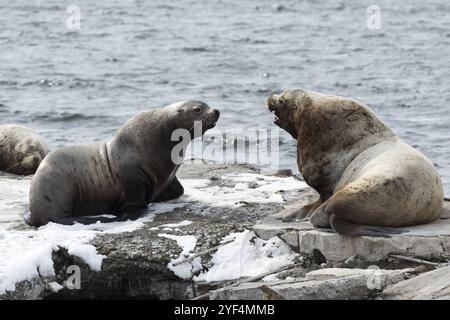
[(128, 56)]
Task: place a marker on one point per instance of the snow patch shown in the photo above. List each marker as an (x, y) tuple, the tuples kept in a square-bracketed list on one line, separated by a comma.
[(247, 187), (176, 225), (187, 245), (54, 286), (89, 255), (25, 252), (271, 278), (247, 256)]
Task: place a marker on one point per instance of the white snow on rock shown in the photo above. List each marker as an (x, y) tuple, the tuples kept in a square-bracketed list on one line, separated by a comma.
[(89, 255), (55, 286), (176, 225), (187, 245), (248, 187), (247, 256), (25, 252)]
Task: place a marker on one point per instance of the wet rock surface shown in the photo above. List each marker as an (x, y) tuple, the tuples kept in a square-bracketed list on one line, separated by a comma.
[(430, 241), (332, 266), (325, 284), (136, 263), (433, 285)]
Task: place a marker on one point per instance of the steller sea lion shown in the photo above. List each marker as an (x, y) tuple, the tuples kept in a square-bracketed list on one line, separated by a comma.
[(369, 181), (120, 176)]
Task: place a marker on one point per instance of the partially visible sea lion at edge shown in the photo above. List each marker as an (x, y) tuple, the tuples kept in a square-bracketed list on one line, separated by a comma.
[(21, 149), (370, 182), (120, 176)]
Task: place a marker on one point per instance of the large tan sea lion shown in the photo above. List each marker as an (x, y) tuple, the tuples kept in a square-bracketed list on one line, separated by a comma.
[(369, 181)]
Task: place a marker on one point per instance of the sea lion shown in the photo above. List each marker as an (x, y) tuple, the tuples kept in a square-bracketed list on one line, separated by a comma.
[(21, 149), (120, 176), (369, 181)]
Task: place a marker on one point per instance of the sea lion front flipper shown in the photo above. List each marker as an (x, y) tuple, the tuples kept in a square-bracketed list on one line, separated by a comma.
[(135, 197), (131, 212), (356, 230), (173, 191), (301, 213)]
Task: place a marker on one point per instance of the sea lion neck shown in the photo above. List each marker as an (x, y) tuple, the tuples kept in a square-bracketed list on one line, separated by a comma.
[(144, 130), (330, 135)]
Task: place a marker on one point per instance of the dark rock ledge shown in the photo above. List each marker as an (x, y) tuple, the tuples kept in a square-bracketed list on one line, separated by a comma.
[(331, 266)]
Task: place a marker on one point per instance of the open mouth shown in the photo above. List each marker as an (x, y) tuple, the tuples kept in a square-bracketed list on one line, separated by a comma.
[(276, 119), (273, 110)]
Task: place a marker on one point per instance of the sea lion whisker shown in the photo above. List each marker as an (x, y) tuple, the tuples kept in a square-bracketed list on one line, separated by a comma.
[(14, 165)]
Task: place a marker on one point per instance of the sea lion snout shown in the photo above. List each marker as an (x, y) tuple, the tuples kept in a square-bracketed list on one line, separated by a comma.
[(32, 161), (216, 113), (212, 118), (271, 102), (285, 111), (276, 105)]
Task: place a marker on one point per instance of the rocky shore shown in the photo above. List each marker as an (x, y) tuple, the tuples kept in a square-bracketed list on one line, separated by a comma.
[(222, 240)]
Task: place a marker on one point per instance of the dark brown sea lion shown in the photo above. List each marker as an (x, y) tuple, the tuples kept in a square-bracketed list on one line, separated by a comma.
[(121, 176)]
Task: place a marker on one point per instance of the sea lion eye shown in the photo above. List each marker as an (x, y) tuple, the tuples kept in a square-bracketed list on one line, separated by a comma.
[(197, 109)]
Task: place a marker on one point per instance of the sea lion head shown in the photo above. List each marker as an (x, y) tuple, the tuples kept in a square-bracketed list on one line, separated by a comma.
[(32, 153), (286, 108), (193, 113), (330, 131)]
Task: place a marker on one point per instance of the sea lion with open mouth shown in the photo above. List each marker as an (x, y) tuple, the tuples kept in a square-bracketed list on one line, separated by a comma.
[(121, 176), (370, 182)]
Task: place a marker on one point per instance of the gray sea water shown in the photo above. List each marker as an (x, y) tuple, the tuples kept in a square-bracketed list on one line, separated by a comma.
[(132, 55)]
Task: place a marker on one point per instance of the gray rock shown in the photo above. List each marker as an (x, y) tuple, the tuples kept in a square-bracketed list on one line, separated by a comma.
[(431, 241), (324, 284), (26, 290), (291, 238), (433, 285), (136, 263)]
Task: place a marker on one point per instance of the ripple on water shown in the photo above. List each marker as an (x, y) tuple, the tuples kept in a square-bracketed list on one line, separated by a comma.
[(232, 54)]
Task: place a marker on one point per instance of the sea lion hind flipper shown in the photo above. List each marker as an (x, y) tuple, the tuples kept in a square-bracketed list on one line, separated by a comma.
[(300, 213), (356, 230), (173, 191)]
